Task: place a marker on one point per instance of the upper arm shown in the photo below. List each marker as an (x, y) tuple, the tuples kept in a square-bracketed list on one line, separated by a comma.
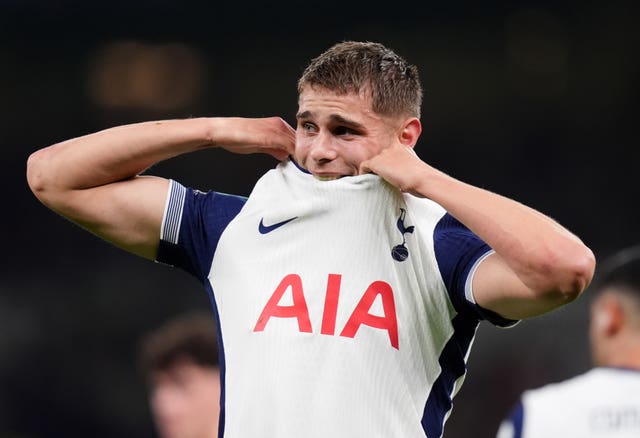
[(459, 253), (126, 213), (496, 287), (484, 285)]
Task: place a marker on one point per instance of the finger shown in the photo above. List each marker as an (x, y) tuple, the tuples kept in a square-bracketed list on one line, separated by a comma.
[(365, 167), (279, 154), (291, 147)]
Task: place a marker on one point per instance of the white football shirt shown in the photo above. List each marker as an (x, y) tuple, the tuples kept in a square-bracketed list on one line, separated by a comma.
[(344, 307), (603, 402)]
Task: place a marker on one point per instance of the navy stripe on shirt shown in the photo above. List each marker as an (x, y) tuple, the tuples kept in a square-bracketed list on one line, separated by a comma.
[(204, 218), (452, 366)]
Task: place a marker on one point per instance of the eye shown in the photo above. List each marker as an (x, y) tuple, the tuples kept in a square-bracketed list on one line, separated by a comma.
[(308, 126), (344, 130)]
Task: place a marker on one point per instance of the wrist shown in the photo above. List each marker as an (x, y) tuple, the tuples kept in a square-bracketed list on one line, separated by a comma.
[(422, 180)]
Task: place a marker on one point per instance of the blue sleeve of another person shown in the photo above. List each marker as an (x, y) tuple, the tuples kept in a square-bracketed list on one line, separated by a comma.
[(516, 417), (192, 226)]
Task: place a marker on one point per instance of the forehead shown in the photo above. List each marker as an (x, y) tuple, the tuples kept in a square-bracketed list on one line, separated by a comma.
[(320, 102)]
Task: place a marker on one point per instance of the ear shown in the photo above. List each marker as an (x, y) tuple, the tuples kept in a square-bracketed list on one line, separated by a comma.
[(410, 132), (601, 319), (608, 316)]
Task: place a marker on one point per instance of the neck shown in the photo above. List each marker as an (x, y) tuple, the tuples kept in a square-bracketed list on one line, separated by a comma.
[(623, 354)]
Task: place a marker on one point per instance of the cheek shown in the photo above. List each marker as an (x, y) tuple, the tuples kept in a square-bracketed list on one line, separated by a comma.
[(352, 155), (301, 150), (356, 153), (166, 401)]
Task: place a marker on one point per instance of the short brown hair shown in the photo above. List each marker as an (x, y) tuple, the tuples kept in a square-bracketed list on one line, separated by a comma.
[(192, 336), (620, 271), (351, 67)]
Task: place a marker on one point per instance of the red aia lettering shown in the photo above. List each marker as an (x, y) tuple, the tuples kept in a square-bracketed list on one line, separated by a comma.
[(331, 305), (298, 310), (361, 313), (359, 316)]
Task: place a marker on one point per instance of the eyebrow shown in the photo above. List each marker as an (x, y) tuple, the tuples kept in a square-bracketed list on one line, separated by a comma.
[(342, 121), (335, 118)]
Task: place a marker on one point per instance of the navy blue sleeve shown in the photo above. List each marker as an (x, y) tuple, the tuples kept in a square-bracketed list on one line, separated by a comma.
[(192, 226), (457, 251), (516, 417)]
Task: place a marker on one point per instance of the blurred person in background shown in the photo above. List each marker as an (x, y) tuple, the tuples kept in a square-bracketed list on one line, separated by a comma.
[(605, 401), (179, 361), (349, 285)]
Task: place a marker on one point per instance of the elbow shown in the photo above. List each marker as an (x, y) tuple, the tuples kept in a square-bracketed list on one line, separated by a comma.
[(580, 272), (584, 271), (569, 275), (35, 172), (38, 178)]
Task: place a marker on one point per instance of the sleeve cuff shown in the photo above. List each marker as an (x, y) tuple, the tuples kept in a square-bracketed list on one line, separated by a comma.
[(486, 314)]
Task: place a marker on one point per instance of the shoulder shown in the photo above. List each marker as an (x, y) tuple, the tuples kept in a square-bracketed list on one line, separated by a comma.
[(591, 384), (596, 403)]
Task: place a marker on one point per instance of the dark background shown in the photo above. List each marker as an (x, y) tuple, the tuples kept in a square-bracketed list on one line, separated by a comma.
[(534, 100)]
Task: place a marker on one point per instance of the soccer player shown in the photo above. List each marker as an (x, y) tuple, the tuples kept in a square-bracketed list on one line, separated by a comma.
[(179, 361), (605, 401), (348, 286)]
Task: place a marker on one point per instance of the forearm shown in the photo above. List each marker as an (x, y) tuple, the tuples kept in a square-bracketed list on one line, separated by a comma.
[(114, 154)]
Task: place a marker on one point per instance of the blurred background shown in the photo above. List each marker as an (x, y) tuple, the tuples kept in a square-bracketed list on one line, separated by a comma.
[(533, 100)]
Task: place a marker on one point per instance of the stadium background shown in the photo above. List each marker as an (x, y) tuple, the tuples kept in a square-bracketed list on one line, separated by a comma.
[(534, 100)]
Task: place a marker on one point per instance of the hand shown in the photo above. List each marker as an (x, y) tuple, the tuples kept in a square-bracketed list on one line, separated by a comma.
[(400, 166), (270, 135)]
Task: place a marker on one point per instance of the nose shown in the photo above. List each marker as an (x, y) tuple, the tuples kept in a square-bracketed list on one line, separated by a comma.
[(323, 149)]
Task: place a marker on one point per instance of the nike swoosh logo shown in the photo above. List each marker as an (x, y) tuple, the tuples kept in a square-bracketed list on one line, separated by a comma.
[(264, 229)]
